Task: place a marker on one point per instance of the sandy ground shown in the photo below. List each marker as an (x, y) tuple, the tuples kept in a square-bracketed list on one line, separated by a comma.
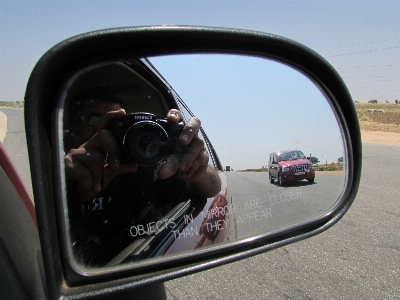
[(3, 126), (380, 137), (329, 172)]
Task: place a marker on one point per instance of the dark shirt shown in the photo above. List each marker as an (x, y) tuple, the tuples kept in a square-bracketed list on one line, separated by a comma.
[(100, 228)]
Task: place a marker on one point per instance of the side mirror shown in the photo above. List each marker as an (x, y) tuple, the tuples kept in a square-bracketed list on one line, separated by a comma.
[(139, 226)]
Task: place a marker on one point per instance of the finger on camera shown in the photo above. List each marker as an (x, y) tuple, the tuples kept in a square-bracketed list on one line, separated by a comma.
[(96, 170), (195, 173), (89, 169), (111, 115), (175, 115), (88, 157), (190, 131), (191, 153), (200, 161), (168, 167), (104, 140), (83, 176), (76, 165)]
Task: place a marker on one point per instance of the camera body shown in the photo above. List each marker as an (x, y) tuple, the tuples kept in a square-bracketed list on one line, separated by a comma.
[(145, 140)]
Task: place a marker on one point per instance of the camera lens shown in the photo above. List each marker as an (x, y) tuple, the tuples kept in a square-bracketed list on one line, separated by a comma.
[(146, 143)]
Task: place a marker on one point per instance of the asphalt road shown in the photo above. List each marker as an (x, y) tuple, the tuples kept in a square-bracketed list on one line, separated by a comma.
[(264, 207), (358, 258)]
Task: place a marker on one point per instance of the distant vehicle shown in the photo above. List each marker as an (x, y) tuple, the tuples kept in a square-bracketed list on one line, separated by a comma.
[(289, 165), (228, 168)]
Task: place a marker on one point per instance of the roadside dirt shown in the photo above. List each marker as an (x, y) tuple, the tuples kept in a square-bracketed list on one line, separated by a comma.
[(3, 126), (329, 172), (380, 137)]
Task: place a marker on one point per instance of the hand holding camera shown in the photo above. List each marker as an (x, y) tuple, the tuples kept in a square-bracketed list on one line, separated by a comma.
[(194, 161), (97, 161), (145, 140), (148, 141), (120, 142)]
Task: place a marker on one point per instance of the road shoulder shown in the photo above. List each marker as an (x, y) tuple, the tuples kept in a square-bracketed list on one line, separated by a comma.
[(3, 126), (380, 137)]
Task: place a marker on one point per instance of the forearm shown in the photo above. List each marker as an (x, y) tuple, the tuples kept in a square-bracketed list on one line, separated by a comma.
[(207, 185)]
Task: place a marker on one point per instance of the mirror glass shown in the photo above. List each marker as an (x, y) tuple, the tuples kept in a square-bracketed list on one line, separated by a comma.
[(168, 155)]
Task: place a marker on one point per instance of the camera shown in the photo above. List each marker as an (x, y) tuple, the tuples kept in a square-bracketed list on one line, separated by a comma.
[(145, 140)]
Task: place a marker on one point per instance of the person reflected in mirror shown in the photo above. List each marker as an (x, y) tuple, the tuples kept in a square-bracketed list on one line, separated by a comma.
[(108, 195)]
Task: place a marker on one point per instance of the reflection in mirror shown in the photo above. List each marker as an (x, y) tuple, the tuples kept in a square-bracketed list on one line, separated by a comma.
[(143, 179)]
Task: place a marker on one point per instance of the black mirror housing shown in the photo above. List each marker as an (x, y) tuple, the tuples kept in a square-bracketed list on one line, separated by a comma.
[(60, 63)]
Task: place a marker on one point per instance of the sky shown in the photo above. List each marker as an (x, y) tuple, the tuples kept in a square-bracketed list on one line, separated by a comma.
[(361, 39), (250, 107)]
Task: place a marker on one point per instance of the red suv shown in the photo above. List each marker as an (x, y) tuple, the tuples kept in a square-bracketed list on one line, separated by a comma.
[(289, 165)]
